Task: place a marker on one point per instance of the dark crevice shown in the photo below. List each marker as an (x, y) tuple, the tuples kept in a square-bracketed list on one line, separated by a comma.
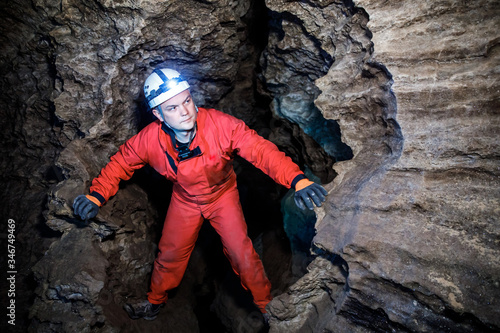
[(470, 322), (376, 320)]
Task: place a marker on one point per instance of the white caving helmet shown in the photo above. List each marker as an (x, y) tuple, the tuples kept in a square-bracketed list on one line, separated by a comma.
[(162, 84)]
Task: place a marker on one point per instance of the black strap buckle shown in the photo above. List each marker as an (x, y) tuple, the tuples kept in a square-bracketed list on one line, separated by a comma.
[(185, 153)]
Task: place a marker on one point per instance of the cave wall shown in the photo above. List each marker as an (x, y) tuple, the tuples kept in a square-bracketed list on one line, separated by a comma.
[(408, 240), (403, 97)]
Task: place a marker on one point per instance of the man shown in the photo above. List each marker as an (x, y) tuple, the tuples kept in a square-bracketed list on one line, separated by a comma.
[(194, 148)]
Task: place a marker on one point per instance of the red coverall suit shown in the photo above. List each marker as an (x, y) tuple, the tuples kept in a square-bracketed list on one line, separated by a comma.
[(204, 188)]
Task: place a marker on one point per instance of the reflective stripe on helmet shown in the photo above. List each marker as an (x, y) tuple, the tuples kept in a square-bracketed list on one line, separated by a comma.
[(162, 85)]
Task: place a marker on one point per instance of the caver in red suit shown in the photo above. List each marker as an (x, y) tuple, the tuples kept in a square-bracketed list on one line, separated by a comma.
[(204, 187), (194, 148)]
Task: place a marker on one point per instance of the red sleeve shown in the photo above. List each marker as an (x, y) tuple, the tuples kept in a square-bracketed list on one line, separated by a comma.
[(262, 153), (122, 166)]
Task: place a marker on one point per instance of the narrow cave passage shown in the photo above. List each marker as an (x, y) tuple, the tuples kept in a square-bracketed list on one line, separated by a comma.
[(281, 233)]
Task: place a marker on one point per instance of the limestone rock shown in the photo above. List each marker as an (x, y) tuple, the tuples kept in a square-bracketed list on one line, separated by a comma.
[(300, 50), (67, 292), (415, 224)]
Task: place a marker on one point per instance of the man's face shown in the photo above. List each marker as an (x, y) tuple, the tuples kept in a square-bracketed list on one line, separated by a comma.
[(179, 112)]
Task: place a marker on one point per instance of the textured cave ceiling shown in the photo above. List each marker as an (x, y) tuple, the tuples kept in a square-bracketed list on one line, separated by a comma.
[(394, 106)]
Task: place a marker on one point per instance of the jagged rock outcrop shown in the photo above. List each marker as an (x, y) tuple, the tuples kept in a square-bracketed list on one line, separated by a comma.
[(300, 50), (414, 232)]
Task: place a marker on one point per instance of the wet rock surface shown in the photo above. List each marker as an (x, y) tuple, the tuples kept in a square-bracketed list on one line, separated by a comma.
[(394, 106)]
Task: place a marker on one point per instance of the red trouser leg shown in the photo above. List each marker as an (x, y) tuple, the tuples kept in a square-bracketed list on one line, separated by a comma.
[(226, 216), (182, 225), (180, 231)]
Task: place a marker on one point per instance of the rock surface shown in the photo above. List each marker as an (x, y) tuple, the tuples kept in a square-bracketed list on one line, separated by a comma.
[(402, 98), (416, 230)]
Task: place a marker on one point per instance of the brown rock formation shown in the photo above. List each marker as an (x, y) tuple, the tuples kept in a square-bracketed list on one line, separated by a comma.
[(416, 232)]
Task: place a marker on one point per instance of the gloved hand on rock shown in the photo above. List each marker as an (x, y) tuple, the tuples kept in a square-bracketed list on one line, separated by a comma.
[(85, 206), (307, 192)]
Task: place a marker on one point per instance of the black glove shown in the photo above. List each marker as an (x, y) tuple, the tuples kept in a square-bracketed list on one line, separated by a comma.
[(85, 208), (309, 194)]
